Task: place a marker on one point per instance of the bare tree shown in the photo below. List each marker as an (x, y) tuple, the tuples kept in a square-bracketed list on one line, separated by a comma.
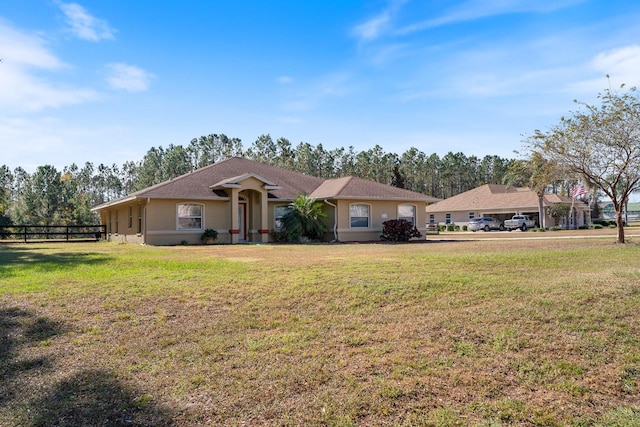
[(601, 144)]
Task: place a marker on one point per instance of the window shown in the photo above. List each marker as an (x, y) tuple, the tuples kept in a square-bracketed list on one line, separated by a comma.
[(472, 215), (432, 219), (189, 217), (279, 212), (359, 215), (407, 212), (130, 217), (447, 218)]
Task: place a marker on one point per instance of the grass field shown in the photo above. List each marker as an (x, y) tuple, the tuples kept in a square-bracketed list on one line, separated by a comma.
[(482, 333)]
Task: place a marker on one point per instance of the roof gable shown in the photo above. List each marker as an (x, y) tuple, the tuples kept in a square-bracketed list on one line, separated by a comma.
[(236, 182)]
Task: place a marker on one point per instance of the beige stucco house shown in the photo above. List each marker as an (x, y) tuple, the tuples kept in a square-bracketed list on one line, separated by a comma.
[(502, 202), (243, 201)]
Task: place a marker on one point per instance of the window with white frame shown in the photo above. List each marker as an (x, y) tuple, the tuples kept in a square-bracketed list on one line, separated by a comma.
[(432, 218), (359, 216), (278, 213), (472, 215), (408, 213), (189, 216), (447, 218)]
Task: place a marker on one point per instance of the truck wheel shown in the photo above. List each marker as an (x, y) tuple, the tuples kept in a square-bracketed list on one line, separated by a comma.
[(486, 228), (501, 228), (524, 227)]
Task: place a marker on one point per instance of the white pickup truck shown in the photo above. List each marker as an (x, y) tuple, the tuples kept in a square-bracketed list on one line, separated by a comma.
[(522, 222)]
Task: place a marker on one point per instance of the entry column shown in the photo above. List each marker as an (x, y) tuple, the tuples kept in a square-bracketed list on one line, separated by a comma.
[(234, 231), (264, 216)]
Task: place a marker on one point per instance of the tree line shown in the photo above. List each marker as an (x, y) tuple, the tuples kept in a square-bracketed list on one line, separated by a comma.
[(50, 196)]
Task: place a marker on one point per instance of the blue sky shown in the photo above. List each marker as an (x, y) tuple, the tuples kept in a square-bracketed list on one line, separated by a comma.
[(103, 81)]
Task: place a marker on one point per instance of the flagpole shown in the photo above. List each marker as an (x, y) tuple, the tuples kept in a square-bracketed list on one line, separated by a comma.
[(573, 200)]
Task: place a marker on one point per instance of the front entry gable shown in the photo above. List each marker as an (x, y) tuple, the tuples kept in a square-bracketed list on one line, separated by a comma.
[(248, 181), (249, 195)]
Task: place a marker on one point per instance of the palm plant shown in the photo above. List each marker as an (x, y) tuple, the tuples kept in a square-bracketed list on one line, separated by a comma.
[(303, 220)]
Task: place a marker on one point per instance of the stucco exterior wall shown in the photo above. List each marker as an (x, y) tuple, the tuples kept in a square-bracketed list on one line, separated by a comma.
[(161, 222), (154, 222), (125, 222), (379, 212)]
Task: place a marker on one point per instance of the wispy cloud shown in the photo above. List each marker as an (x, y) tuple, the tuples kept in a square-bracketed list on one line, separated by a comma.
[(379, 24), (84, 25), (128, 77), (23, 49), (22, 92), (23, 87), (371, 29), (478, 9), (621, 65)]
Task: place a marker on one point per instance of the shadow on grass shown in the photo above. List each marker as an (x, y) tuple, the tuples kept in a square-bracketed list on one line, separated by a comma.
[(85, 397), (15, 258)]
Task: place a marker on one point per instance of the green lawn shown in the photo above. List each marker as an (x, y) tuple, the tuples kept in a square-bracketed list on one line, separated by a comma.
[(486, 333)]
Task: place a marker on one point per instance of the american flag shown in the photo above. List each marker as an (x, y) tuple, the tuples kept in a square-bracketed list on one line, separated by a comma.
[(578, 190)]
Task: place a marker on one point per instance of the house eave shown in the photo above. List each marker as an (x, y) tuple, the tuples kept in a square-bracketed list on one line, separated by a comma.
[(222, 186), (394, 199), (142, 197), (113, 203)]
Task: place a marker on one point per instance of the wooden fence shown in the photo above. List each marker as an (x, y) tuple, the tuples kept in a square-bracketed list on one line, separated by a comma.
[(53, 233)]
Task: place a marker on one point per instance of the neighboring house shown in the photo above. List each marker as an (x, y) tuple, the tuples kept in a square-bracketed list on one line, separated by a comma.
[(244, 200), (502, 202)]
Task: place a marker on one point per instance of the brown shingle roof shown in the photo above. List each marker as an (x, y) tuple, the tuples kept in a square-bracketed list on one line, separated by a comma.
[(197, 184), (494, 196), (357, 188), (282, 184)]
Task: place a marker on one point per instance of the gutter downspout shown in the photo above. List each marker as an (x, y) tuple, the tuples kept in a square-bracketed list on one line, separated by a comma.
[(144, 221), (335, 220)]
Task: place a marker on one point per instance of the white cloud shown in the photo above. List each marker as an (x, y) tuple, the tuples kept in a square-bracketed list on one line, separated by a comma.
[(22, 86), (21, 49), (371, 29), (84, 25), (376, 26), (22, 92), (477, 9), (621, 64), (128, 77)]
